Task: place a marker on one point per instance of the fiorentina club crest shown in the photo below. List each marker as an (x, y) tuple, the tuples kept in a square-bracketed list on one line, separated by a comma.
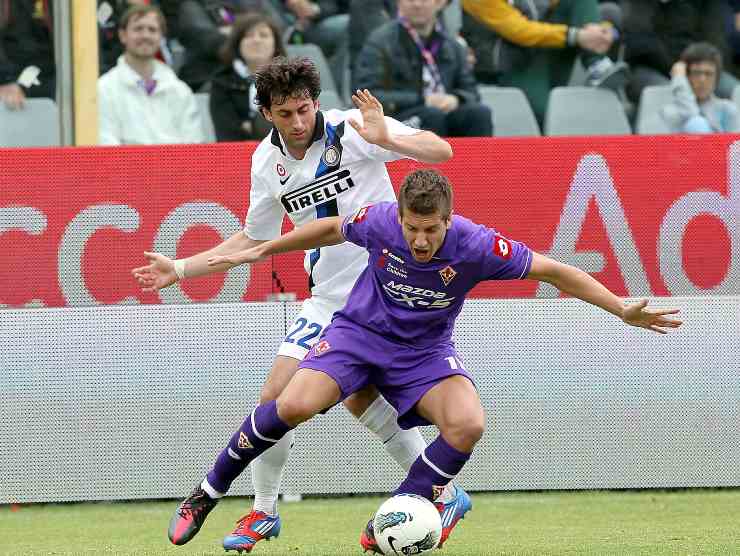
[(322, 347), (244, 442), (447, 274)]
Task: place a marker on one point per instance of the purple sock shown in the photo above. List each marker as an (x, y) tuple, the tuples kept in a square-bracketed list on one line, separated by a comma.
[(258, 432), (433, 469)]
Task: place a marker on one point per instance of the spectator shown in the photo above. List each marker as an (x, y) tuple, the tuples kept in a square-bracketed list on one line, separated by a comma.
[(364, 17), (533, 46), (27, 67), (656, 32), (255, 40), (141, 101), (421, 75), (695, 108), (324, 23), (203, 27)]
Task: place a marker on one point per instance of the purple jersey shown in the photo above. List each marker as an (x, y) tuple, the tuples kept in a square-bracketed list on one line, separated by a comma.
[(417, 303)]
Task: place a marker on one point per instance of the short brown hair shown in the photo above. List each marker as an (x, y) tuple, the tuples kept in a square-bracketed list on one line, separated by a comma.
[(426, 192), (139, 10), (699, 52), (243, 25), (285, 78)]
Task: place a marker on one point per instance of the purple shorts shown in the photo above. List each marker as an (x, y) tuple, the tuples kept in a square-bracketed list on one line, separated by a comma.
[(355, 357)]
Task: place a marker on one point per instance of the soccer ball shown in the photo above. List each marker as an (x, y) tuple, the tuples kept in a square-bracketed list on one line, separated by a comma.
[(407, 524)]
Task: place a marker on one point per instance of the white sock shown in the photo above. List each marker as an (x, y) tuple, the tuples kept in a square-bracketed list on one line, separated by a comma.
[(404, 446), (267, 472), (210, 491)]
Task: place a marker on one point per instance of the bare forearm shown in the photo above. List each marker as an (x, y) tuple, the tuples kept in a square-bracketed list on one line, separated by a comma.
[(319, 233), (578, 283), (425, 147), (197, 265)]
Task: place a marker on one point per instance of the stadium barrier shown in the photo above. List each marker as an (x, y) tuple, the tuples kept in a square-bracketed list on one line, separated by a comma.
[(110, 393), (646, 215)]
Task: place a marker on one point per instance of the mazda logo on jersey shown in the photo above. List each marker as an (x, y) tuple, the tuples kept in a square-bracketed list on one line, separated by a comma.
[(318, 191)]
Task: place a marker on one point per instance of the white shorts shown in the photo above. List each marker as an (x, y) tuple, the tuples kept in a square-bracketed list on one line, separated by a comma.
[(305, 331)]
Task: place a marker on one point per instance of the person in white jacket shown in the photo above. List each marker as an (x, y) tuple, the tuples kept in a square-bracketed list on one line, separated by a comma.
[(141, 100)]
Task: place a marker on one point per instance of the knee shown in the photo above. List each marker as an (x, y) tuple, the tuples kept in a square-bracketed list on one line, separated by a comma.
[(464, 432), (477, 120), (294, 411)]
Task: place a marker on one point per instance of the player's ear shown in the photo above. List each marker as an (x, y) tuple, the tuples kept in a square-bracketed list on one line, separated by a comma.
[(266, 113), (449, 221)]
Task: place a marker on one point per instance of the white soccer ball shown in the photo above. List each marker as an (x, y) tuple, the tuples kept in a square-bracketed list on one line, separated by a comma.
[(407, 524)]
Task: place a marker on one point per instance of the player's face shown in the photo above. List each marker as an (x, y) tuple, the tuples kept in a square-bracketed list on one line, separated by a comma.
[(295, 120), (424, 233), (703, 78), (257, 47), (142, 36)]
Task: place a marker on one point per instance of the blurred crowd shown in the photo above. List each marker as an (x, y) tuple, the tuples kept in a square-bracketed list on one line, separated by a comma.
[(425, 60)]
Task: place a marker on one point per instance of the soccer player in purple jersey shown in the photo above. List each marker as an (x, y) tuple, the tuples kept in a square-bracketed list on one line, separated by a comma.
[(395, 331)]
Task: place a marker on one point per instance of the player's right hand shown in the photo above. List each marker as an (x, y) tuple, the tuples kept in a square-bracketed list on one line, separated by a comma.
[(158, 274)]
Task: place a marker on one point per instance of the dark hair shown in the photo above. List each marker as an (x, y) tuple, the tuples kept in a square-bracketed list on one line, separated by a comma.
[(702, 52), (140, 10), (285, 78), (426, 192), (243, 25)]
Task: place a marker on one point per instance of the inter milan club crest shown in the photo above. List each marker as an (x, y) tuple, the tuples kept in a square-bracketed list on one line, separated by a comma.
[(447, 274), (322, 347), (331, 156)]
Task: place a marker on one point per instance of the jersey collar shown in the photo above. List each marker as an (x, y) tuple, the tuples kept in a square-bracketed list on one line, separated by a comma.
[(318, 134)]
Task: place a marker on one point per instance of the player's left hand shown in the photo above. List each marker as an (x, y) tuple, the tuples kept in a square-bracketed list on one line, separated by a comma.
[(636, 314), (373, 128)]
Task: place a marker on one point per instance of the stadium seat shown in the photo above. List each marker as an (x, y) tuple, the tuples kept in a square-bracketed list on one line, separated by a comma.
[(585, 111), (37, 125), (511, 112), (652, 99), (330, 100), (205, 117), (452, 17), (313, 53), (736, 95)]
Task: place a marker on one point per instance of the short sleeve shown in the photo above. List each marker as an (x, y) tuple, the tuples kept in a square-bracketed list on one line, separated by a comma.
[(265, 214), (357, 227), (505, 259)]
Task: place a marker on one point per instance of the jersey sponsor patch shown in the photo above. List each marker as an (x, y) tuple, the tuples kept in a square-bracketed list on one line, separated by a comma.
[(360, 215), (502, 247), (319, 191)]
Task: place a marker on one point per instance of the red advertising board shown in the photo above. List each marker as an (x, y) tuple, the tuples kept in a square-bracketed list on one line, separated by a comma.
[(646, 215)]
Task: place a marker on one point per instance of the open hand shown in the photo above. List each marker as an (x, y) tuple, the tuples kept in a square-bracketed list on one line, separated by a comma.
[(373, 128), (158, 274), (636, 314)]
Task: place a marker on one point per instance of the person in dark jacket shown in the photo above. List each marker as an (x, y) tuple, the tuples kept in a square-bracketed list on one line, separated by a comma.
[(254, 40), (421, 75), (656, 32), (27, 67)]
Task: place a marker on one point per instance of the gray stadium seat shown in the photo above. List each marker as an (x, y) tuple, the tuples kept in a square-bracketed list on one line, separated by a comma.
[(209, 131), (512, 114), (736, 95), (330, 99), (452, 18), (37, 125), (652, 99), (585, 111), (313, 53)]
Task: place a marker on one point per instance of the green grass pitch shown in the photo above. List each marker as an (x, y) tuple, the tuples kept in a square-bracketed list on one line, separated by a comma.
[(690, 522)]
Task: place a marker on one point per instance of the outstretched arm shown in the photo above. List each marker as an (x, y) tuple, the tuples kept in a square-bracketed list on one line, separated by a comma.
[(163, 271), (319, 233), (578, 283)]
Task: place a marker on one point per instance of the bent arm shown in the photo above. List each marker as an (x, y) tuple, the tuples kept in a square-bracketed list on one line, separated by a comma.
[(425, 147), (575, 282)]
